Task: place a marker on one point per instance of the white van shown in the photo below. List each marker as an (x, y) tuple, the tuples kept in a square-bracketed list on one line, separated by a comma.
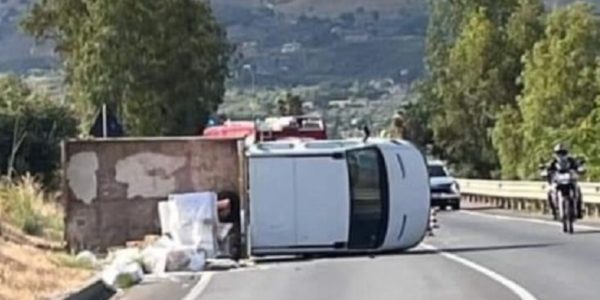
[(336, 196)]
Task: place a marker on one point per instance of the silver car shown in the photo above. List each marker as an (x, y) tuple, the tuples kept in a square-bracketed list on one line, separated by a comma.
[(445, 190)]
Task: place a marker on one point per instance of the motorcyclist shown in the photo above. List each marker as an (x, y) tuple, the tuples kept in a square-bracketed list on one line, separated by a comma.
[(561, 153)]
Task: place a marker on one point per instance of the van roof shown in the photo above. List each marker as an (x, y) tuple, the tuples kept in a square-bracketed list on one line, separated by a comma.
[(296, 145)]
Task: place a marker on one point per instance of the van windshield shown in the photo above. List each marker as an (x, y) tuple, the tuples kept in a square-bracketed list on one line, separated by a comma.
[(369, 198)]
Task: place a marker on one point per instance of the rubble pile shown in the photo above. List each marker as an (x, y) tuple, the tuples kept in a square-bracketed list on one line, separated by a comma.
[(191, 240)]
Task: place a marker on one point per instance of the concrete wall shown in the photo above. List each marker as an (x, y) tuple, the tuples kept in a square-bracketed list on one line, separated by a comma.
[(112, 186)]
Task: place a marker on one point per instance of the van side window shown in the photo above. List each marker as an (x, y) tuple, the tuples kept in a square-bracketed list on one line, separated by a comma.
[(369, 198)]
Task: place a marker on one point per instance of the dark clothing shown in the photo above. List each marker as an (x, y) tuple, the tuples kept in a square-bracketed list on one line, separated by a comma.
[(570, 163)]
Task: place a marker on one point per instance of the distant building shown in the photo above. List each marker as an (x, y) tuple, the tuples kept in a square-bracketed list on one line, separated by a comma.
[(308, 105), (339, 103), (290, 48)]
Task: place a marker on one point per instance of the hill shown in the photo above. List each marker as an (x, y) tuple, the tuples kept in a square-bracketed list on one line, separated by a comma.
[(283, 43), (324, 8), (286, 42)]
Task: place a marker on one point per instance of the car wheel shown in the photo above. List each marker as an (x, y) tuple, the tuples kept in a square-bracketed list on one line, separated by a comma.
[(456, 206)]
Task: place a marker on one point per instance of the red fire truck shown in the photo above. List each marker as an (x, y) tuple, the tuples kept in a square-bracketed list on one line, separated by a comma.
[(272, 128)]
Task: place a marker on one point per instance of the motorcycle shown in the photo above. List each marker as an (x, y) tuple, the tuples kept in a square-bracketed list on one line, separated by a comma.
[(565, 191)]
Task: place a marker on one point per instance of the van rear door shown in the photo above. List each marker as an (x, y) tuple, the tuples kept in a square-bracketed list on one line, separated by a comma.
[(272, 209)]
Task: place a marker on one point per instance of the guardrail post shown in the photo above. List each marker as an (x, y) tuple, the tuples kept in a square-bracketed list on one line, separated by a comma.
[(595, 209)]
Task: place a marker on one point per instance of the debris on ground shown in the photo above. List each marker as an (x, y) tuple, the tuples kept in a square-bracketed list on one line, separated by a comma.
[(124, 269), (183, 259), (87, 257), (192, 238), (221, 264)]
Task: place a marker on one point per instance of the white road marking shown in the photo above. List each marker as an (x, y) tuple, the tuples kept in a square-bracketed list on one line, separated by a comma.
[(525, 219), (518, 290), (206, 277), (197, 290)]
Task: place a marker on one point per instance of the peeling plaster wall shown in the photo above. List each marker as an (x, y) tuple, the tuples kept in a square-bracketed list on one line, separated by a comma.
[(149, 175), (113, 186), (81, 176)]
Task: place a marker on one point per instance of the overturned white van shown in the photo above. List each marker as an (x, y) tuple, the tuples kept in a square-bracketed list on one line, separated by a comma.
[(336, 196)]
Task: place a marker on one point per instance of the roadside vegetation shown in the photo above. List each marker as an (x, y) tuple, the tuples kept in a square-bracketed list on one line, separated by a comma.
[(111, 55), (506, 81), (29, 273), (25, 205), (33, 264)]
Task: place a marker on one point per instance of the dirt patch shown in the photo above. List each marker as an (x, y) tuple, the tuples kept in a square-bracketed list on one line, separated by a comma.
[(27, 272)]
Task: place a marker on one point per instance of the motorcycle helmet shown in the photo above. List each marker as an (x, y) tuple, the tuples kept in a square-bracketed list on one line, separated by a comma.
[(561, 150)]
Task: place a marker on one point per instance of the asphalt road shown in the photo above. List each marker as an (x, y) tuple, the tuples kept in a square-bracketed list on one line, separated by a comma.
[(479, 257), (536, 259)]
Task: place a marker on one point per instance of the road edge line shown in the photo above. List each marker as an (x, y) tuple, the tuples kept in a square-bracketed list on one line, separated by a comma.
[(515, 288), (199, 288), (526, 219)]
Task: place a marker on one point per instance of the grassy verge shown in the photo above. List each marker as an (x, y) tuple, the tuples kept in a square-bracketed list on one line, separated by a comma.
[(26, 271), (24, 204)]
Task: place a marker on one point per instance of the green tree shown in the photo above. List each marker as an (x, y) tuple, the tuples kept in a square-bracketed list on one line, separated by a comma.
[(417, 116), (561, 86), (525, 27), (149, 60), (291, 105), (474, 60), (294, 103), (448, 43), (507, 138), (31, 129), (471, 97)]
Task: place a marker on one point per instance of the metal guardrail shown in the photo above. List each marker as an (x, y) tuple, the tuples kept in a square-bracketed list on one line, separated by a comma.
[(534, 190)]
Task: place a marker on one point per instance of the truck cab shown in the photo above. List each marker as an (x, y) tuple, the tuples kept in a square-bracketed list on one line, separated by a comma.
[(323, 196), (270, 129)]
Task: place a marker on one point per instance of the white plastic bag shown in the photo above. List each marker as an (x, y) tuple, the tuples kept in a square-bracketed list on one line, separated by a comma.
[(124, 270), (185, 259), (87, 257), (165, 255), (154, 257), (122, 276)]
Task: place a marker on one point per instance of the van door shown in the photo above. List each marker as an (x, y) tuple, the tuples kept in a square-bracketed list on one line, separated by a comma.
[(322, 202)]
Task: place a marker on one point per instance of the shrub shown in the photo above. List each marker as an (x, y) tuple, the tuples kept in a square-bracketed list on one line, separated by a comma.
[(34, 125), (24, 204)]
